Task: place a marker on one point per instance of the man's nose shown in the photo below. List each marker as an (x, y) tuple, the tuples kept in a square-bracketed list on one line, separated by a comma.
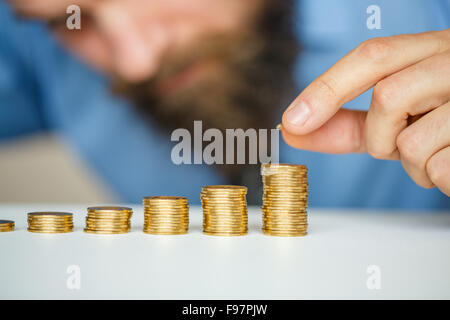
[(136, 46)]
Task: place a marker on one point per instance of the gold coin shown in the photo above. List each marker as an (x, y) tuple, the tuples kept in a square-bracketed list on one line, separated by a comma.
[(110, 209), (108, 220), (49, 230), (285, 199), (109, 216), (108, 226), (285, 234), (50, 214), (166, 215), (224, 210), (50, 222), (167, 233), (224, 187), (105, 231), (225, 234), (7, 225)]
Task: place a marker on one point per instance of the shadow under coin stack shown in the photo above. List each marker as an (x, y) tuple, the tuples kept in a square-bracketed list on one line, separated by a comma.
[(50, 222), (166, 215), (285, 199), (108, 220), (6, 225), (224, 210)]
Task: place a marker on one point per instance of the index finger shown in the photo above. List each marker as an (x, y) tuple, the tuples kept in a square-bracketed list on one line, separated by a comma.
[(355, 73)]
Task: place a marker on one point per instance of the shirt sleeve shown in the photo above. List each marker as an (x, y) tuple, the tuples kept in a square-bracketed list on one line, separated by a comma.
[(19, 98)]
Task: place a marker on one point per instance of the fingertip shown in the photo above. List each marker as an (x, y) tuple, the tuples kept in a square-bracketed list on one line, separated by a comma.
[(287, 137), (296, 118)]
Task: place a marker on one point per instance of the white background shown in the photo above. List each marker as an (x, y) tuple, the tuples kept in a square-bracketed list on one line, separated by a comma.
[(411, 249)]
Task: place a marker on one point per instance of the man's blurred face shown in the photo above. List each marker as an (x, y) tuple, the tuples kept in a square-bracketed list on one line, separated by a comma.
[(185, 59), (132, 38)]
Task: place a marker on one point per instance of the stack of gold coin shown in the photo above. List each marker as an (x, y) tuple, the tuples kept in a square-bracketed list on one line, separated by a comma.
[(108, 220), (285, 199), (50, 222), (224, 210), (6, 225), (166, 215)]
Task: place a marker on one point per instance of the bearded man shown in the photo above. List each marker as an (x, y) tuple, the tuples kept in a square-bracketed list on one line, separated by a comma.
[(137, 70)]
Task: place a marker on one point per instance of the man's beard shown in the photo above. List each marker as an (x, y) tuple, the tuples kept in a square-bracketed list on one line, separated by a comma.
[(252, 85), (246, 92)]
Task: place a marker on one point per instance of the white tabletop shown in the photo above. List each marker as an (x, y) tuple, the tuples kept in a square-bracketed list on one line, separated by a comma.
[(409, 254)]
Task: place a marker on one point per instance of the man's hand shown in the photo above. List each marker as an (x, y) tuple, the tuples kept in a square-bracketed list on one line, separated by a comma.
[(409, 115)]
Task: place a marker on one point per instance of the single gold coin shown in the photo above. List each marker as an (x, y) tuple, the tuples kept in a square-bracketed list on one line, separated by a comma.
[(105, 231)]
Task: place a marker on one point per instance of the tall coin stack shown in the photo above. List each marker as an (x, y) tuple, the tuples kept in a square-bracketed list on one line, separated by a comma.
[(285, 199), (224, 210), (108, 220), (166, 215), (6, 225), (50, 222)]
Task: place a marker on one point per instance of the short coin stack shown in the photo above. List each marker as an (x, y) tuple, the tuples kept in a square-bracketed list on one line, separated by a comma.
[(50, 222), (6, 225), (224, 210), (166, 215), (285, 199), (108, 220)]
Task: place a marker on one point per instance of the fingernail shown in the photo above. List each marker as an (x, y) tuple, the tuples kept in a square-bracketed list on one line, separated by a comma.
[(298, 114)]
